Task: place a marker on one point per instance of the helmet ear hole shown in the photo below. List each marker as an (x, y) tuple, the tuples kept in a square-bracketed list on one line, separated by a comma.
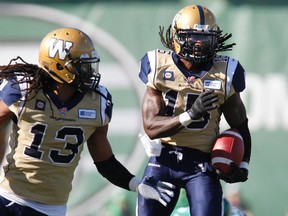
[(59, 67)]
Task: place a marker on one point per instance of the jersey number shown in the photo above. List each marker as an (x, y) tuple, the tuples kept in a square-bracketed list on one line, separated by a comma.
[(55, 154), (171, 96)]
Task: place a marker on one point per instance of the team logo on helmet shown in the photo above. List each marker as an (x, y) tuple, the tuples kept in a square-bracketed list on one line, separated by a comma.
[(58, 46)]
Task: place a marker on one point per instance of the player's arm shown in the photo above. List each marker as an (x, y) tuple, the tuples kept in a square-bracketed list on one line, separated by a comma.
[(234, 112), (5, 117), (106, 163), (155, 123), (110, 168), (235, 115)]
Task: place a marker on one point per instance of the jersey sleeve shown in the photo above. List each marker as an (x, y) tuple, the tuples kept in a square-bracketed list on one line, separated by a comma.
[(148, 68), (10, 92), (145, 68), (235, 81), (106, 105), (239, 78)]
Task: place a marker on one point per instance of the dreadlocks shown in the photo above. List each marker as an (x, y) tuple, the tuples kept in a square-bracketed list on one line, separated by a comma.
[(35, 76), (222, 46), (167, 41)]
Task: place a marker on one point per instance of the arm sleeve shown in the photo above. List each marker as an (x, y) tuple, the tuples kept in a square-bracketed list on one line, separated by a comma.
[(115, 172)]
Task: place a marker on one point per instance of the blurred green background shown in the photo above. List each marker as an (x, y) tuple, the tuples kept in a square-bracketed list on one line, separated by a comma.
[(123, 31)]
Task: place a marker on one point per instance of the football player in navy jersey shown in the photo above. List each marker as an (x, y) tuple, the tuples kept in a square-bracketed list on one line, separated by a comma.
[(189, 87), (55, 108)]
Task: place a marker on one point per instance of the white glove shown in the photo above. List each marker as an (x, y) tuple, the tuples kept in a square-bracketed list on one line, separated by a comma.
[(152, 147), (161, 191)]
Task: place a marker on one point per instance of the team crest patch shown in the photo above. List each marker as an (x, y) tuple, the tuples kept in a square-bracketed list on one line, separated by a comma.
[(212, 84), (191, 79), (63, 110), (40, 105), (87, 113), (168, 75)]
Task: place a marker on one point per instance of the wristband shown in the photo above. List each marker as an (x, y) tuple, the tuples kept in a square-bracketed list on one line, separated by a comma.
[(244, 165), (184, 119), (133, 184)]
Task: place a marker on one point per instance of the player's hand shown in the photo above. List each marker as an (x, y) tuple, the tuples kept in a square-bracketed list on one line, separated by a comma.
[(161, 191), (237, 175), (206, 101)]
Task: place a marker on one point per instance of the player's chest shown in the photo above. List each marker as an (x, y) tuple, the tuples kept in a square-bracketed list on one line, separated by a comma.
[(42, 109), (192, 84), (183, 91)]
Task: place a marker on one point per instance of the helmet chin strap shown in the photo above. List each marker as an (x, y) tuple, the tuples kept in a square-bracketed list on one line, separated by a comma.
[(195, 60), (82, 87), (52, 73)]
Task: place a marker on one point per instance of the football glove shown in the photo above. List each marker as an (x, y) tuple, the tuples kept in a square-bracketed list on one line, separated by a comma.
[(205, 102), (161, 191), (237, 175)]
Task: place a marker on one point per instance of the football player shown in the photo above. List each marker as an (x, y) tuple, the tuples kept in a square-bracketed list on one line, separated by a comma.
[(56, 108), (189, 87)]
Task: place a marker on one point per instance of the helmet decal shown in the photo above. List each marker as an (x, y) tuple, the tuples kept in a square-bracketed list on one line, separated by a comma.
[(57, 46), (201, 14)]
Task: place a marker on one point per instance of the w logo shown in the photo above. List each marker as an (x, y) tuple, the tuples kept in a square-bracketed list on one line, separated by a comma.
[(58, 46)]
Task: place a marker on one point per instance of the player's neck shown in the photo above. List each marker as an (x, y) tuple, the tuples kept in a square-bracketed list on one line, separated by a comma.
[(196, 68), (64, 92)]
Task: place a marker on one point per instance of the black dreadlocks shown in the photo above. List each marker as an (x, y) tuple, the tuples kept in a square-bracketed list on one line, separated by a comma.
[(35, 76)]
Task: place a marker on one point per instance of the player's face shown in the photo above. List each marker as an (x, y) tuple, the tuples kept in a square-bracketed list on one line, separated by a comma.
[(199, 42), (197, 45), (87, 72)]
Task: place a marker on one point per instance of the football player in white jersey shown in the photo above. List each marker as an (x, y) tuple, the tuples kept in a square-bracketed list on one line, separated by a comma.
[(189, 87), (56, 108)]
